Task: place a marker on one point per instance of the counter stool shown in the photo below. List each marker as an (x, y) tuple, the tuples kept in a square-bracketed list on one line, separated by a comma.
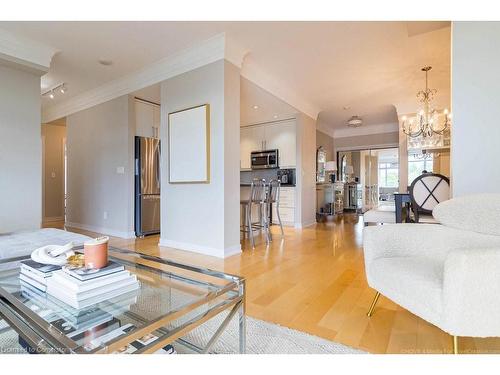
[(257, 197), (273, 197)]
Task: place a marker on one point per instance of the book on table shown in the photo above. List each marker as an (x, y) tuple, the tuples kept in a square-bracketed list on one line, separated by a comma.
[(85, 274), (43, 302), (81, 288), (78, 288), (36, 274)]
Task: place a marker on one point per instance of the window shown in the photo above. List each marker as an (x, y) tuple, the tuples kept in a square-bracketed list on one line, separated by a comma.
[(388, 175), (417, 165)]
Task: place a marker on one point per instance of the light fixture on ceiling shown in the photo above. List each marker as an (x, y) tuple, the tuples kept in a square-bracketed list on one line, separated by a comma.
[(59, 88), (355, 122), (255, 107), (425, 123), (275, 116), (105, 62)]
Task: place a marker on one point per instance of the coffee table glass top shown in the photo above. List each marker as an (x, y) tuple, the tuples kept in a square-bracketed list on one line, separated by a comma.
[(172, 299)]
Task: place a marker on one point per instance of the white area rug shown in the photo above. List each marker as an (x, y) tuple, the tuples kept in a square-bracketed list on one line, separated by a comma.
[(266, 338), (262, 338)]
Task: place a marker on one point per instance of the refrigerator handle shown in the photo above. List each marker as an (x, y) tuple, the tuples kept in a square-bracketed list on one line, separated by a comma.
[(137, 167), (158, 160)]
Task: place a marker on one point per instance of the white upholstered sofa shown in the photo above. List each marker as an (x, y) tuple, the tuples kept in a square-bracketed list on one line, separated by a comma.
[(447, 273), (24, 242)]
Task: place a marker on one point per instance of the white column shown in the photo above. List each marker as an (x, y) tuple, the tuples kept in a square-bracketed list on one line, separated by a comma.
[(204, 218), (475, 143)]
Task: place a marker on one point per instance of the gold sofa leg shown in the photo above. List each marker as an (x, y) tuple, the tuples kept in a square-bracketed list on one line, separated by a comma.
[(455, 344), (372, 306)]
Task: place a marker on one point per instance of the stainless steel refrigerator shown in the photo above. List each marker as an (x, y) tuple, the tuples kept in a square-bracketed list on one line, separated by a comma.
[(147, 186)]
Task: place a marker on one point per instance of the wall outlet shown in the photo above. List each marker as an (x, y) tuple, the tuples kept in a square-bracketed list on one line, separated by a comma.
[(53, 175), (105, 215), (120, 170)]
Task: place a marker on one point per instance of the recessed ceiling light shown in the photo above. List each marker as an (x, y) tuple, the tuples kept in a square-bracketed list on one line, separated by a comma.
[(275, 116), (255, 107), (105, 62)]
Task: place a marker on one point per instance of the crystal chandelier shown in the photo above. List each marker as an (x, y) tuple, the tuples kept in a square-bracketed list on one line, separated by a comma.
[(425, 124)]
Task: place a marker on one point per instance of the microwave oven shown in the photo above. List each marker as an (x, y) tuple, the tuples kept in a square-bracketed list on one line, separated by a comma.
[(264, 159)]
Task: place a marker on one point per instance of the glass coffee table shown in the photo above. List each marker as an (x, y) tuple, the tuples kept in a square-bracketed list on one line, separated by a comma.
[(172, 302)]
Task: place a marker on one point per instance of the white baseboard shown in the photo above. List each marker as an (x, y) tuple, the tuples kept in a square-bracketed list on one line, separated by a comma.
[(102, 230), (232, 250), (206, 250), (305, 225)]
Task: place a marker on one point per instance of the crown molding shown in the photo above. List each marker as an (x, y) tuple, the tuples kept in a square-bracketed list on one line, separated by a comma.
[(234, 52), (206, 52), (365, 130), (268, 82), (198, 55), (25, 54), (325, 129)]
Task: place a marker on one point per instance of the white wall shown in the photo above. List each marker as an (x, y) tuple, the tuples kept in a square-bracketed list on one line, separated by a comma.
[(99, 140), (20, 150), (325, 141), (204, 217), (475, 147)]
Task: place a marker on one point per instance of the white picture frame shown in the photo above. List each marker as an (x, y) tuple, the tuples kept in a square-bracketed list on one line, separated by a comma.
[(189, 145)]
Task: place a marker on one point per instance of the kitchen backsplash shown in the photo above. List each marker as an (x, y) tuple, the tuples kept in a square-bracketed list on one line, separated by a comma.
[(246, 177)]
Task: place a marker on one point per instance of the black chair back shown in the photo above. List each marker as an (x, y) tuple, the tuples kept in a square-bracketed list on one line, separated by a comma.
[(427, 191)]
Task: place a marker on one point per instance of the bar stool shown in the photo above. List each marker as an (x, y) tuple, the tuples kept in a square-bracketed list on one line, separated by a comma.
[(257, 197), (273, 197)]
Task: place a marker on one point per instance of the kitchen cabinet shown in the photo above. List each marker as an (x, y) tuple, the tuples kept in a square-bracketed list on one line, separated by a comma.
[(286, 206), (251, 139), (282, 136), (147, 119), (156, 121), (279, 135)]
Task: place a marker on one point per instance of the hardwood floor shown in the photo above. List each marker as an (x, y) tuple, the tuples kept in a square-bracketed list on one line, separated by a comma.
[(314, 281)]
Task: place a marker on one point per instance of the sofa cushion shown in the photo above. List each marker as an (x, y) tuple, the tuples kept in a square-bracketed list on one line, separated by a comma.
[(24, 242), (377, 215), (478, 213)]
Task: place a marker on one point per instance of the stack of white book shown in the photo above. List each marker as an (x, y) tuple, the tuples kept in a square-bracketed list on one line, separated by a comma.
[(36, 274), (81, 288)]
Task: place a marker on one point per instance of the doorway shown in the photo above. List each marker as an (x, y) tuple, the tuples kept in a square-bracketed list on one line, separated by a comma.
[(371, 174), (54, 171)]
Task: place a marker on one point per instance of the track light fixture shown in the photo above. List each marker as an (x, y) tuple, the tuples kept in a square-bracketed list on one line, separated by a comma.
[(58, 89)]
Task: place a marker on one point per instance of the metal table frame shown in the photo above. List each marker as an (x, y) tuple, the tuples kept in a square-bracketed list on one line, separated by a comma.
[(45, 337)]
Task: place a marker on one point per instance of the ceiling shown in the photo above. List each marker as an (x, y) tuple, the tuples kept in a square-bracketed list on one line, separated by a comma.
[(269, 107), (364, 66)]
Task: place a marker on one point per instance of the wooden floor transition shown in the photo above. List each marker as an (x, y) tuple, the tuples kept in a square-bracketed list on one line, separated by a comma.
[(314, 281)]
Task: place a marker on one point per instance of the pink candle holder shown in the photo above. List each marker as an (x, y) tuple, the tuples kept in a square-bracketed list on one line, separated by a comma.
[(96, 253)]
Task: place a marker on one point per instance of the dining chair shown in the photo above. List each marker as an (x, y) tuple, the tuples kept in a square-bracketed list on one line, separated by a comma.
[(426, 192)]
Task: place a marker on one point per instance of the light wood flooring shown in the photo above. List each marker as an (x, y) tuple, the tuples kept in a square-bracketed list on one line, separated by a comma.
[(314, 281)]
